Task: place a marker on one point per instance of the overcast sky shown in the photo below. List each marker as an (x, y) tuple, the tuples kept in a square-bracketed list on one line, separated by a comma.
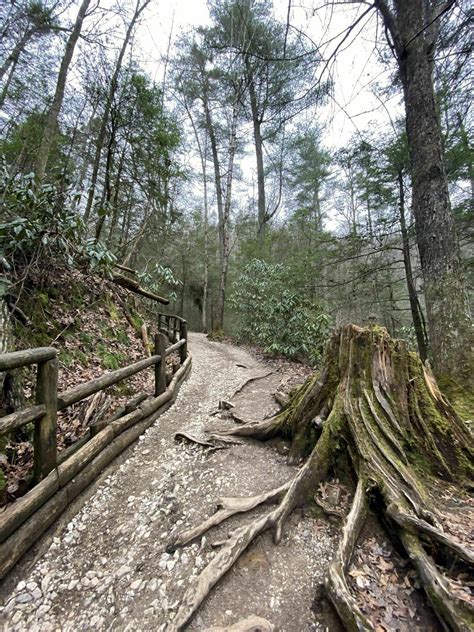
[(353, 106)]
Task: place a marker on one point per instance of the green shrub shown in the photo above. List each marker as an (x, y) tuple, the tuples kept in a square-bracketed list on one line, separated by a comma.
[(42, 222), (277, 318)]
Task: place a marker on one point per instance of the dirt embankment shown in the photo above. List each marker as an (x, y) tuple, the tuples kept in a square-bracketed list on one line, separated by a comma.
[(96, 327)]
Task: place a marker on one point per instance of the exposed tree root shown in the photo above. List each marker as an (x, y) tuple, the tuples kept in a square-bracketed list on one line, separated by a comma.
[(228, 507), (248, 381), (337, 588), (377, 401)]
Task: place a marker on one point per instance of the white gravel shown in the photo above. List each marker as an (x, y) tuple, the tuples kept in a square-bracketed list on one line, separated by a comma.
[(108, 569)]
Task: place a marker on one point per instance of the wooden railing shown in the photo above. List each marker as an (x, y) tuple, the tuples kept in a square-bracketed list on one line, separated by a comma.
[(53, 471)]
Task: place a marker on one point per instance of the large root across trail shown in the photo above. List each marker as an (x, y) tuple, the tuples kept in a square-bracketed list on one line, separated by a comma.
[(377, 402)]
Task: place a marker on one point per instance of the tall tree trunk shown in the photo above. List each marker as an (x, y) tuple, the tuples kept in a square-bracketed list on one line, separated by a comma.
[(116, 189), (412, 296), (257, 135), (105, 210), (203, 158), (6, 86), (217, 169), (413, 27), (108, 104), (225, 223), (317, 209), (50, 129), (14, 56), (205, 284)]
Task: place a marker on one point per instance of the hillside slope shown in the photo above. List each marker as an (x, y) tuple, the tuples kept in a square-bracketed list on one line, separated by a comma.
[(96, 326)]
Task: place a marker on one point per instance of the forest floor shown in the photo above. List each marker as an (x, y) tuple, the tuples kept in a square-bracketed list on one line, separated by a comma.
[(104, 565)]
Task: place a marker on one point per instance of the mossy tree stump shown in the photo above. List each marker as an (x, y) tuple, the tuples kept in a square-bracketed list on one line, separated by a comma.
[(375, 400)]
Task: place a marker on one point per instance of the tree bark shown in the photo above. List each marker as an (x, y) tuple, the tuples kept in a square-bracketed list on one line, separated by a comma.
[(257, 135), (225, 221), (50, 129), (375, 401), (412, 296), (14, 56), (413, 27), (203, 158)]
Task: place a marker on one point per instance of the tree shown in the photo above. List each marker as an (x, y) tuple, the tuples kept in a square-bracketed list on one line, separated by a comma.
[(31, 19), (396, 166), (274, 72), (308, 174), (139, 8), (412, 28), (53, 113), (201, 77)]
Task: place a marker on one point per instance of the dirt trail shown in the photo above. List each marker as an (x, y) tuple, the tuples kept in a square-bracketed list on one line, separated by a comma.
[(105, 566)]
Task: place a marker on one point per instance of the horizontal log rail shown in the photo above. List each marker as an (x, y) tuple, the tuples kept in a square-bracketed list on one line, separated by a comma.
[(49, 402), (23, 522), (17, 359), (80, 392), (20, 418), (59, 477)]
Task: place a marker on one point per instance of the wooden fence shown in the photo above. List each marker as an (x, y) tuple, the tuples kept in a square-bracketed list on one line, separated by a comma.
[(60, 477)]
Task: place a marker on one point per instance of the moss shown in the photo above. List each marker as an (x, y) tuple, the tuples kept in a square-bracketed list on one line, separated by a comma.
[(43, 298), (112, 309), (82, 357), (460, 397), (136, 320), (110, 360), (66, 357), (217, 335), (86, 339), (119, 335)]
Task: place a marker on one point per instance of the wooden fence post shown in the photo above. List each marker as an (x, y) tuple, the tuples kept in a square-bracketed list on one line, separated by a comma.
[(45, 428), (160, 367), (172, 330), (183, 352)]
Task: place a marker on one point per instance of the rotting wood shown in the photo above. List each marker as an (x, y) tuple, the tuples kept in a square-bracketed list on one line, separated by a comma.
[(134, 286)]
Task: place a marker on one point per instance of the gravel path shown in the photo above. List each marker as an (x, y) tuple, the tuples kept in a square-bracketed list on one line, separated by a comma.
[(107, 569)]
